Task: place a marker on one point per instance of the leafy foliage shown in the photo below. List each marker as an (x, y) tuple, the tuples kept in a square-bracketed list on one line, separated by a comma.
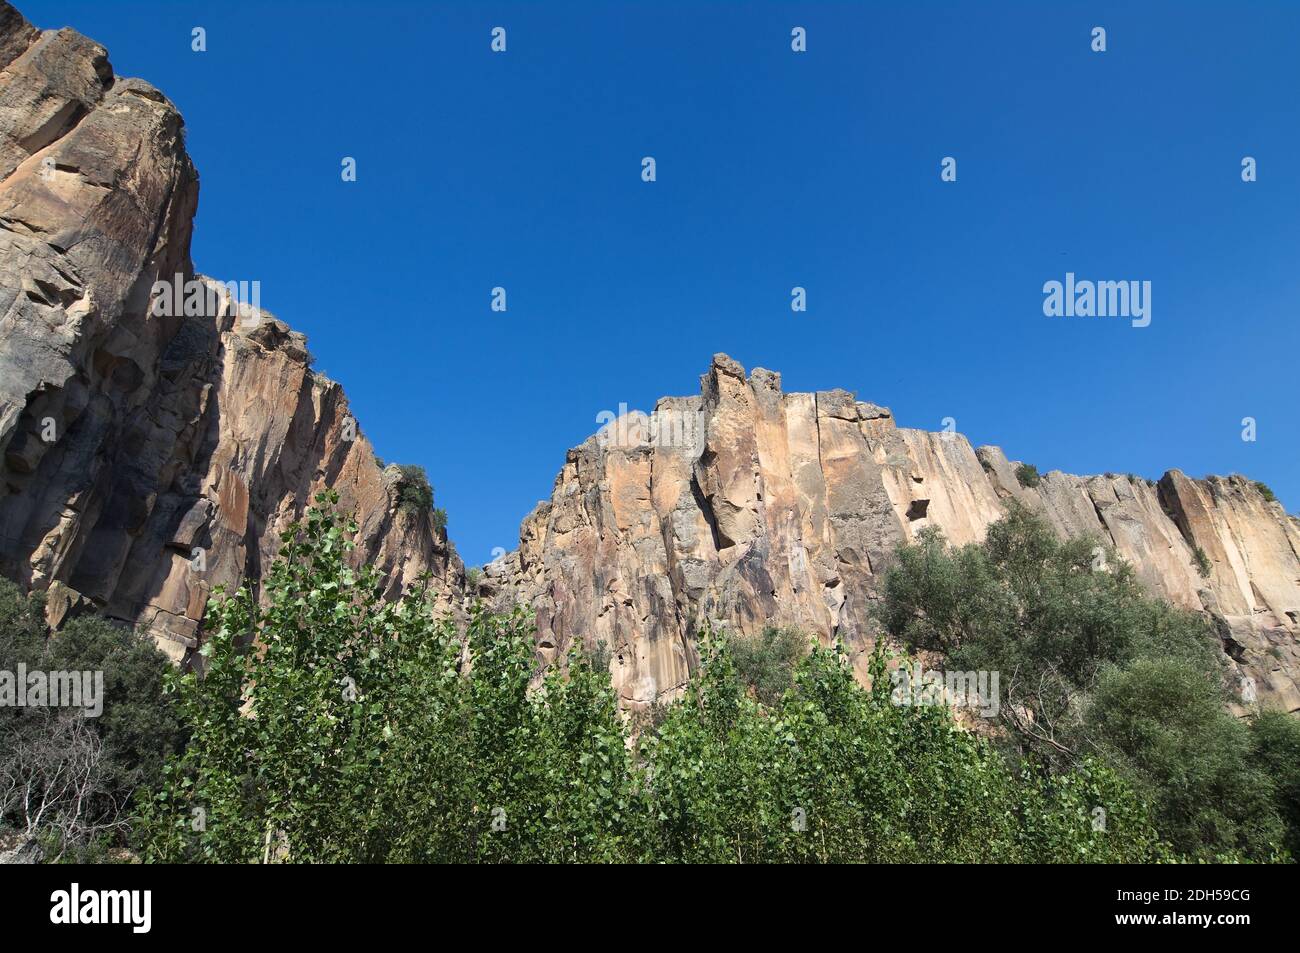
[(331, 725), (1203, 566), (767, 662), (1276, 739), (67, 780), (1027, 475), (414, 494), (1162, 722), (1092, 667), (1266, 492), (366, 739)]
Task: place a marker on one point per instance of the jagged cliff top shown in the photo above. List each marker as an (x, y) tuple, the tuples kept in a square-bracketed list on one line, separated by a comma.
[(747, 506)]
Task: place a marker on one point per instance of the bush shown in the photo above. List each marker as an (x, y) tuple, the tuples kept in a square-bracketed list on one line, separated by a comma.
[(67, 780), (1203, 567), (414, 494), (1092, 667), (766, 662), (1027, 475), (1265, 492)]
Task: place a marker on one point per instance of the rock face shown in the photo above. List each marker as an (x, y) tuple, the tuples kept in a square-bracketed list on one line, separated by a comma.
[(148, 455), (747, 506), (145, 457)]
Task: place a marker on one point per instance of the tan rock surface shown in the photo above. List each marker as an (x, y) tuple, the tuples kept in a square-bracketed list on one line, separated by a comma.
[(787, 512), (128, 441)]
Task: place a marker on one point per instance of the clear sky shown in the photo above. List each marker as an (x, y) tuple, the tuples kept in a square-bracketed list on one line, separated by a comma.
[(774, 169)]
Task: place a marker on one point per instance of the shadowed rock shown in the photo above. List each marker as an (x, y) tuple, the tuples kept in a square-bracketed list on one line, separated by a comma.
[(132, 441)]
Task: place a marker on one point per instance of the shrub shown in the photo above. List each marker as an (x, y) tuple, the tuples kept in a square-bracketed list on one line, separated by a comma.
[(1027, 475), (414, 494), (66, 780), (599, 656), (1265, 492), (766, 662), (1202, 561), (1091, 666)]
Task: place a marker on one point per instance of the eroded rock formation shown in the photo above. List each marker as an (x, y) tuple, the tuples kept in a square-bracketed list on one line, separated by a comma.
[(130, 442), (747, 506)]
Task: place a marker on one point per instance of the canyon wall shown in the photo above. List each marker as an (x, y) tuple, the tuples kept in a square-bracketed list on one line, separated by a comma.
[(133, 442), (747, 506), (145, 459)]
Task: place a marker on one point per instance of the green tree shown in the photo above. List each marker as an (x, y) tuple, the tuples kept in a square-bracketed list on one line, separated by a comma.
[(67, 780), (331, 725), (1276, 738), (452, 745), (766, 662), (414, 493), (1163, 722), (1092, 667)]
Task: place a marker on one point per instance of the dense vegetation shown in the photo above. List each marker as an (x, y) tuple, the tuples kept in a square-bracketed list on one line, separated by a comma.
[(66, 780), (331, 725), (1094, 668), (414, 492), (372, 736), (376, 732), (767, 662), (415, 495)]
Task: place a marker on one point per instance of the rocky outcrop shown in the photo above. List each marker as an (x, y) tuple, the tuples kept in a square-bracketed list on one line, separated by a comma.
[(146, 456), (747, 506)]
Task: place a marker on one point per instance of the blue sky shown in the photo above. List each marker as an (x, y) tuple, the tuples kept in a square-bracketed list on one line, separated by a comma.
[(775, 169)]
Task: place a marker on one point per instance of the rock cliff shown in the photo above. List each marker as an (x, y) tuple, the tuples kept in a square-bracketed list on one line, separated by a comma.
[(146, 457), (747, 506)]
